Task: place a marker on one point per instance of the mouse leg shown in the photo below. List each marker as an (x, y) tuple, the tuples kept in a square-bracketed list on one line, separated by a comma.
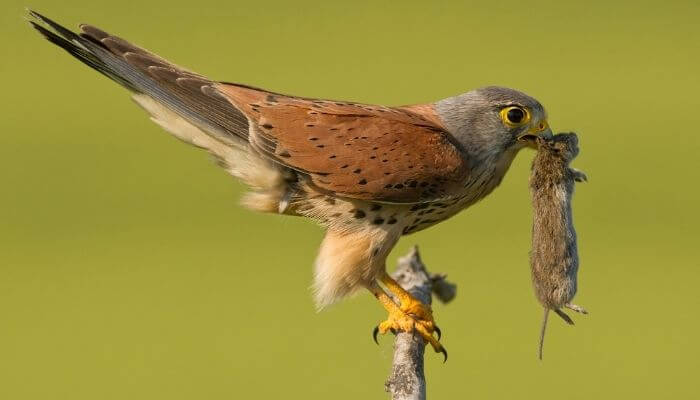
[(579, 176), (576, 308), (563, 316)]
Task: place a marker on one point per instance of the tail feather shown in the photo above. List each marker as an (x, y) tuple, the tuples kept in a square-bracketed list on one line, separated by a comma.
[(184, 103), (192, 96)]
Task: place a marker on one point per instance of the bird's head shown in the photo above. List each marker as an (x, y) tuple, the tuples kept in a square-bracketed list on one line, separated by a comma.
[(494, 120)]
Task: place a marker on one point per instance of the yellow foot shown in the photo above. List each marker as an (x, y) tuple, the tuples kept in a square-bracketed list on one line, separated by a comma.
[(411, 316)]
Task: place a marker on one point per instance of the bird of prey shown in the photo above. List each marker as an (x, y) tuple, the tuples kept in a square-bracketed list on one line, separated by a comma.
[(368, 174)]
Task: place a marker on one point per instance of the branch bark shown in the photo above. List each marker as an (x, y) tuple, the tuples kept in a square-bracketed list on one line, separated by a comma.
[(407, 378)]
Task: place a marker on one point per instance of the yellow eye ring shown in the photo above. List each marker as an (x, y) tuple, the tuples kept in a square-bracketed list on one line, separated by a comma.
[(515, 116)]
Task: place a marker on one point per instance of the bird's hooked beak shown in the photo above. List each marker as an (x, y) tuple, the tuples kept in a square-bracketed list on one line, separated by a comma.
[(538, 129)]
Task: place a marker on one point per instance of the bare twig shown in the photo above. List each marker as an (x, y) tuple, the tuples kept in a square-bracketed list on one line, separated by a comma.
[(407, 378)]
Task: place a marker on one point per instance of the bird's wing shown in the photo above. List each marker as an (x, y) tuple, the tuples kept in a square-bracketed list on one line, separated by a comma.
[(377, 153), (188, 94)]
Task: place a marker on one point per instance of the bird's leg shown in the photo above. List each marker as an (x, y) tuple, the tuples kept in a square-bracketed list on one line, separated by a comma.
[(410, 316), (409, 304)]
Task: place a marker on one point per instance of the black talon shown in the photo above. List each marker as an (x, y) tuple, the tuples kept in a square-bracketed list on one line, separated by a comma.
[(438, 331), (374, 334), (444, 352)]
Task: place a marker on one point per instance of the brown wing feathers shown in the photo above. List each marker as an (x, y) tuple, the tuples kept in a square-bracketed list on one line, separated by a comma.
[(186, 93), (354, 150), (360, 151)]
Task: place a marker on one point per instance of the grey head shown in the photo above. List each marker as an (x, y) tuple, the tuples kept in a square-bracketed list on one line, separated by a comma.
[(493, 120)]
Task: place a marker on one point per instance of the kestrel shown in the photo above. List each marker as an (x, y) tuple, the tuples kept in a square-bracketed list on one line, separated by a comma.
[(369, 174)]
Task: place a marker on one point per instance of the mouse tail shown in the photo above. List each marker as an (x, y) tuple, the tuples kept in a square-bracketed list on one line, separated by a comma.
[(542, 331)]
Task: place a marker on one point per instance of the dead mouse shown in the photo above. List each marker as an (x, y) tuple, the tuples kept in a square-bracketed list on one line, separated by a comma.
[(554, 255)]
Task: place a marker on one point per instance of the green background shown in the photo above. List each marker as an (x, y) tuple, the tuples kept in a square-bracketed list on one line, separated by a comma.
[(128, 270)]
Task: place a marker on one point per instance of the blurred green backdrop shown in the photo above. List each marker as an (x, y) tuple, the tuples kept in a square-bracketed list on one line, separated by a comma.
[(128, 271)]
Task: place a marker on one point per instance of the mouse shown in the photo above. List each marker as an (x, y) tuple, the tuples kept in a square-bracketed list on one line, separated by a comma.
[(554, 257)]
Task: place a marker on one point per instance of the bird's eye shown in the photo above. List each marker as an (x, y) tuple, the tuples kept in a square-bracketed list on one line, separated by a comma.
[(515, 116)]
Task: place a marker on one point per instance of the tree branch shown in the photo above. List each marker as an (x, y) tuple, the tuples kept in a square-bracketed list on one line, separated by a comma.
[(407, 378)]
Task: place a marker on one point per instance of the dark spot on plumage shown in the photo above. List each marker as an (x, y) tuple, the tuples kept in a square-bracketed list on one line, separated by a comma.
[(419, 206), (339, 104), (267, 126), (313, 138), (378, 221), (350, 129), (344, 166), (364, 137), (375, 148), (391, 221), (313, 113), (320, 146), (385, 160), (333, 129), (348, 144), (398, 186), (391, 150), (372, 157), (387, 173), (375, 251), (333, 156), (410, 167), (410, 229), (339, 136), (389, 186), (310, 125), (396, 141), (285, 154), (323, 173), (375, 207), (255, 110), (358, 214), (356, 137), (362, 182), (357, 171)]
